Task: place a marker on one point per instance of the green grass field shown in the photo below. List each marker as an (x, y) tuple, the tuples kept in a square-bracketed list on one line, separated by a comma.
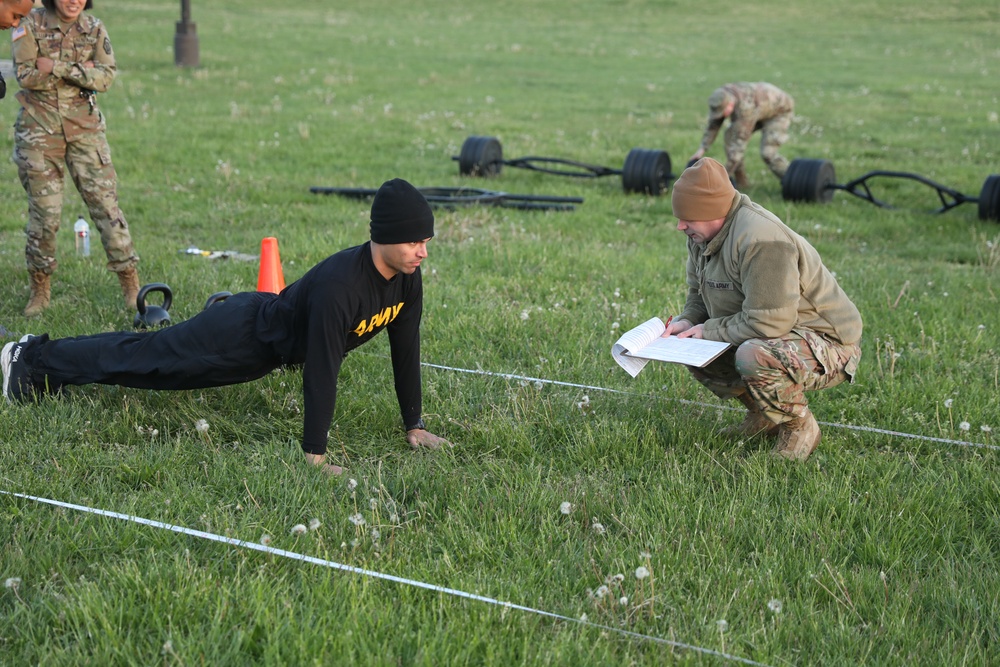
[(882, 549)]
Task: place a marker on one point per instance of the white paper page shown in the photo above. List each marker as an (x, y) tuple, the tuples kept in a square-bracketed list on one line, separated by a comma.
[(636, 339), (687, 351)]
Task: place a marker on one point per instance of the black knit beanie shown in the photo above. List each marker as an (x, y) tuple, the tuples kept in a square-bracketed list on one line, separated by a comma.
[(400, 214)]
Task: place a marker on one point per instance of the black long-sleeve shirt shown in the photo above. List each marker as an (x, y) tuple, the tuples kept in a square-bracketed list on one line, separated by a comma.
[(338, 305)]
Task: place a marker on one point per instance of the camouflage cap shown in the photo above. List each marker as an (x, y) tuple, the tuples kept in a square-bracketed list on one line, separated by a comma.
[(717, 102)]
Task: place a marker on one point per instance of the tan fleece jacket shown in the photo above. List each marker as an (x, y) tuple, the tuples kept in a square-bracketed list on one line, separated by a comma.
[(759, 279)]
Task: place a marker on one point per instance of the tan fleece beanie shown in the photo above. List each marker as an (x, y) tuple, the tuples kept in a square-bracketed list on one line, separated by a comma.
[(703, 192)]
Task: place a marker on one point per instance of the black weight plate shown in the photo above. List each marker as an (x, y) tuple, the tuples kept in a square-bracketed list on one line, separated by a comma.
[(989, 199), (466, 159), (808, 180), (646, 171), (631, 168), (480, 156)]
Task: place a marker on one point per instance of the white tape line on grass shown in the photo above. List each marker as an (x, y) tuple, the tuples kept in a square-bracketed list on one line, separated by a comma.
[(851, 427), (376, 575)]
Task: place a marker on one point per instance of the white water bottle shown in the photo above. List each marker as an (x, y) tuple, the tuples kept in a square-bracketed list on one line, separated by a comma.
[(82, 232)]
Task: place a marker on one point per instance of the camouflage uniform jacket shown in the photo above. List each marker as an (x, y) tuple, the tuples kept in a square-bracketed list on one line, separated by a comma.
[(755, 103), (54, 100), (759, 279)]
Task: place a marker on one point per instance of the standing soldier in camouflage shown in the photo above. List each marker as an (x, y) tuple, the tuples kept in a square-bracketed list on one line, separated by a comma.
[(63, 58), (749, 107), (755, 283)]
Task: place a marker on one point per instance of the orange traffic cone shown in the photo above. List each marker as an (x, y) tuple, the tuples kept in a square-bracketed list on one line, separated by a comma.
[(270, 278)]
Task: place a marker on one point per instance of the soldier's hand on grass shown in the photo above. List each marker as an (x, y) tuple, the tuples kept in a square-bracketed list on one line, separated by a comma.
[(419, 437), (320, 460)]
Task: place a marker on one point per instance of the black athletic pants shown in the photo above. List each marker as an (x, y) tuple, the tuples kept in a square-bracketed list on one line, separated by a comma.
[(216, 347)]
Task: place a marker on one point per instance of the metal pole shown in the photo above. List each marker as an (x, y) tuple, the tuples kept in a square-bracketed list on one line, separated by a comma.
[(186, 39)]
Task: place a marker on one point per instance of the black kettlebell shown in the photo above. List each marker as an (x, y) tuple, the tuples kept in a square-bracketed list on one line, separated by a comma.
[(216, 298), (150, 316)]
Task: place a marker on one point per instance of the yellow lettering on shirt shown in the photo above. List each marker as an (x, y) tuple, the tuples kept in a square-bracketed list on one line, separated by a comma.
[(378, 320)]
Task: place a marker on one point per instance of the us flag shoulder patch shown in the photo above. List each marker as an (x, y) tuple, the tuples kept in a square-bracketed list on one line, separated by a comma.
[(18, 33)]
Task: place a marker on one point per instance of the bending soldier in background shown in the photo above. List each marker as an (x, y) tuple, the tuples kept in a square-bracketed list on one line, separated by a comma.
[(63, 58), (749, 107)]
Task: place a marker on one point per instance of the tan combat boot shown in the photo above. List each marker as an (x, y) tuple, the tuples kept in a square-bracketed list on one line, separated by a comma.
[(753, 424), (129, 280), (40, 293), (798, 438)]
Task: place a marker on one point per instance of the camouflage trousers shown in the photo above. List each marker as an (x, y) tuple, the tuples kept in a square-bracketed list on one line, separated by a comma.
[(773, 133), (778, 371), (42, 160)]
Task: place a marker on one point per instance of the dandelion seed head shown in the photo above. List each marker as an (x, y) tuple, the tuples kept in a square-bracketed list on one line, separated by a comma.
[(597, 526), (375, 534), (566, 507), (372, 503), (623, 600), (201, 426), (722, 624), (641, 572), (352, 484), (774, 605), (265, 539), (314, 524), (299, 529), (601, 592), (12, 582), (985, 428), (357, 519), (964, 426), (948, 403)]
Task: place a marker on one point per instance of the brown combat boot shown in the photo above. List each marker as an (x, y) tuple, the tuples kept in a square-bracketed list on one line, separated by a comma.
[(740, 179), (129, 280), (753, 424), (40, 294), (798, 438)]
